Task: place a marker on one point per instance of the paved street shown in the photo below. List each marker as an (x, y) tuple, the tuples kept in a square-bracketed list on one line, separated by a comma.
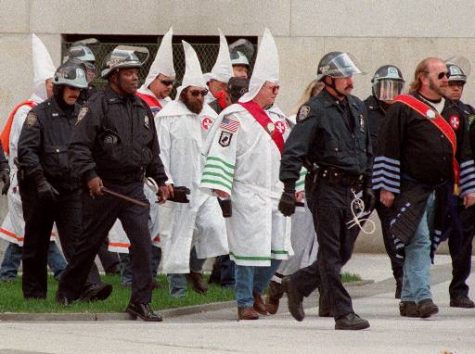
[(218, 332)]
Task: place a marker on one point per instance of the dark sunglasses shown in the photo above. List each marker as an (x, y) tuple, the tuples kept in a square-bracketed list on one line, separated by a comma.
[(441, 75), (196, 93), (167, 82)]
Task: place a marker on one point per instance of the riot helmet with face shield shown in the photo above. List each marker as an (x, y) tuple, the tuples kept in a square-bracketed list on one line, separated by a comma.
[(388, 83)]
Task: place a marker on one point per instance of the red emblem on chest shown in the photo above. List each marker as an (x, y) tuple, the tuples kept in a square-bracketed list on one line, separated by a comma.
[(206, 123), (280, 126), (454, 122)]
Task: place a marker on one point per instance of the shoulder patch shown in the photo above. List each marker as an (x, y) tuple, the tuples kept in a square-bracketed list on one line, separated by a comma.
[(225, 138), (229, 124), (31, 119), (82, 113), (303, 113)]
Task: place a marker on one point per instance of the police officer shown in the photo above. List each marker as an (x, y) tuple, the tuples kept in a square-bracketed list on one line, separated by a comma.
[(115, 146), (85, 55), (49, 191), (4, 171), (331, 139), (462, 228), (387, 83)]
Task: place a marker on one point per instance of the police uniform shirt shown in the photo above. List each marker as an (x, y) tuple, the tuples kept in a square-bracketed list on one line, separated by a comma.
[(324, 135), (44, 143), (412, 146), (115, 138)]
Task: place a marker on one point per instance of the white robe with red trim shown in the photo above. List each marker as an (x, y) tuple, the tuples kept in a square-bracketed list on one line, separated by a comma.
[(200, 223), (244, 162)]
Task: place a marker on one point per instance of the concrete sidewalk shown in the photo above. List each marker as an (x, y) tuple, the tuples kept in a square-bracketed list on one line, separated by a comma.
[(219, 332)]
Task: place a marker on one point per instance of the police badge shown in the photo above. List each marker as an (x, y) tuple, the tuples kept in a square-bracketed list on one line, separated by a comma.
[(82, 113), (147, 122), (31, 119)]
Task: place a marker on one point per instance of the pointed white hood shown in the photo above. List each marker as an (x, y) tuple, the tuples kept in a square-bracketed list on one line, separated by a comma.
[(223, 69), (266, 67), (43, 67), (163, 63), (193, 74)]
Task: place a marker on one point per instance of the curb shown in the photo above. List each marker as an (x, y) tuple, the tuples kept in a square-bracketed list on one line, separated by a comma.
[(113, 316), (122, 316)]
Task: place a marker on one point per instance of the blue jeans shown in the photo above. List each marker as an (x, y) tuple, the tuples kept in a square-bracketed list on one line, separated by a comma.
[(177, 282), (126, 270), (416, 268), (12, 260), (250, 279)]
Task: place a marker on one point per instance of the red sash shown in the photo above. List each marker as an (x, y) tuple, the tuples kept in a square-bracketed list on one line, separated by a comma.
[(5, 135), (152, 102), (263, 119), (439, 122)]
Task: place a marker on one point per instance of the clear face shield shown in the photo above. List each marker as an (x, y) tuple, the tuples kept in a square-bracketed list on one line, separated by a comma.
[(343, 65), (387, 89)]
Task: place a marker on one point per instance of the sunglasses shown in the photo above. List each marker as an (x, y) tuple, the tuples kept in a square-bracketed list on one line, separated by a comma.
[(443, 74), (167, 82), (196, 93)]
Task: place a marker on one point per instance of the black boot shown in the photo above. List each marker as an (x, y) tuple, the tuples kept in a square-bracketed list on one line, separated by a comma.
[(294, 299), (351, 322), (143, 311)]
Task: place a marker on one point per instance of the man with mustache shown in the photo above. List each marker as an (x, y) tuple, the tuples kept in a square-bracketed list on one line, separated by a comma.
[(331, 138), (195, 230), (422, 158), (49, 190), (115, 145)]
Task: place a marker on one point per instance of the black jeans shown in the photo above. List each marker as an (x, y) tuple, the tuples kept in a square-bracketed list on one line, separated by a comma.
[(39, 218), (99, 215), (330, 206)]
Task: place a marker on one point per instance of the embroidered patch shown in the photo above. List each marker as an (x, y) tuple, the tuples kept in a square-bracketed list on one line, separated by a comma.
[(146, 122), (229, 124), (206, 123), (303, 113), (430, 114), (31, 119), (82, 113), (281, 127), (225, 138), (270, 127), (454, 122)]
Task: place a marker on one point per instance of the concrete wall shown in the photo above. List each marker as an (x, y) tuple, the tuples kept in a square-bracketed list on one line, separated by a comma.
[(377, 32)]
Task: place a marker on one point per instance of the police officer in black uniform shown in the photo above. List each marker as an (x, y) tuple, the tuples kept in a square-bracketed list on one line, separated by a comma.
[(462, 220), (387, 83), (331, 139), (49, 190), (115, 146), (4, 171)]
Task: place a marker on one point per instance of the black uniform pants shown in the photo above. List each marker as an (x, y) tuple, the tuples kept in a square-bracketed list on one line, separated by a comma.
[(330, 206), (99, 215), (460, 246), (384, 215), (39, 218)]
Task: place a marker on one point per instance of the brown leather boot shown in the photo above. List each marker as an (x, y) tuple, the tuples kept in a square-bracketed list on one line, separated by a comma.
[(276, 291), (197, 282), (259, 305), (247, 313)]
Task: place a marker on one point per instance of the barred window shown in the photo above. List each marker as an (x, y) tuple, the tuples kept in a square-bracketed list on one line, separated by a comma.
[(206, 48)]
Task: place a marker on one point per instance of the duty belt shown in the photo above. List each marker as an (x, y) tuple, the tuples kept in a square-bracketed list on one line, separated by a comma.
[(337, 176)]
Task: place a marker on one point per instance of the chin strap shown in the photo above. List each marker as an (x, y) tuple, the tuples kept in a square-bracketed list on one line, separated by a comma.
[(333, 87)]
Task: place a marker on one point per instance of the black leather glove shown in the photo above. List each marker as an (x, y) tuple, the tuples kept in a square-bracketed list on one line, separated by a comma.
[(180, 194), (5, 178), (369, 199), (226, 207), (287, 203), (46, 191)]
